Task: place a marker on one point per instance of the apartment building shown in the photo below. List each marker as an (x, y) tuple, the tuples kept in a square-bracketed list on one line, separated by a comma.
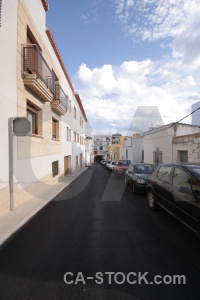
[(101, 145), (116, 138), (35, 84)]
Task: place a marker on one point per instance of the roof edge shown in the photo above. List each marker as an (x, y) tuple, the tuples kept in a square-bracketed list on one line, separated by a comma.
[(45, 5), (80, 105), (55, 48)]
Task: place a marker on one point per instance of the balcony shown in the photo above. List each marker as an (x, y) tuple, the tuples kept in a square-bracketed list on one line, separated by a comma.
[(36, 73), (60, 101)]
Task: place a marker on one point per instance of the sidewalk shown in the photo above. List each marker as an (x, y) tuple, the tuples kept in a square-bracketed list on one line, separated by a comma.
[(13, 220)]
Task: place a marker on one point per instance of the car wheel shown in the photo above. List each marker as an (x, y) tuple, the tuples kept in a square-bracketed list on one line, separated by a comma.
[(151, 200), (134, 188)]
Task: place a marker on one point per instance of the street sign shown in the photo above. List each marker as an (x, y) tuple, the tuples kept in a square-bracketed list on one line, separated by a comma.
[(21, 126)]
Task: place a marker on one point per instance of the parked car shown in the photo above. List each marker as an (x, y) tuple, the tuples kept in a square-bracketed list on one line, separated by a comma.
[(103, 162), (121, 166), (176, 188), (110, 166), (137, 175), (106, 165)]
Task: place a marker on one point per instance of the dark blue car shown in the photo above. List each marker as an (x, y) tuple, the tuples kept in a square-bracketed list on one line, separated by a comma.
[(137, 175)]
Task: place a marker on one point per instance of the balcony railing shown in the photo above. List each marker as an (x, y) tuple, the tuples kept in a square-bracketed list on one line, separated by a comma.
[(34, 67), (60, 101)]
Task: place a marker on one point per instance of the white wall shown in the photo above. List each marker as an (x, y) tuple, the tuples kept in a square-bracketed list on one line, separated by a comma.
[(138, 146), (37, 13), (132, 149), (161, 139)]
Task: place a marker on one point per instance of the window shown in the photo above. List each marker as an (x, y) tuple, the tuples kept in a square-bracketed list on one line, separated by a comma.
[(77, 138), (67, 133), (74, 112), (70, 106), (55, 129), (81, 122), (126, 153), (76, 160), (181, 178), (182, 156), (54, 168), (74, 136), (164, 173), (0, 11), (157, 157), (32, 116), (70, 135)]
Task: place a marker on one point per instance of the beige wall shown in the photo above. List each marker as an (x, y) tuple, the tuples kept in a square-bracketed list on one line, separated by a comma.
[(43, 144)]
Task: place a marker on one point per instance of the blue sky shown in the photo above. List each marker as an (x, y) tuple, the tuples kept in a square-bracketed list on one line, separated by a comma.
[(122, 54)]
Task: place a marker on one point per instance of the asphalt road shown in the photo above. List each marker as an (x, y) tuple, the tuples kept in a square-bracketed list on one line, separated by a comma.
[(98, 225)]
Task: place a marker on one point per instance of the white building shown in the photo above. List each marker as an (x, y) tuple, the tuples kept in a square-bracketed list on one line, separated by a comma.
[(35, 84), (132, 149), (167, 144), (101, 145)]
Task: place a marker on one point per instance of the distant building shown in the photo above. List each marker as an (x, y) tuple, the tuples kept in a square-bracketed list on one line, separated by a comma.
[(114, 149), (196, 114), (172, 143), (133, 149), (101, 145), (116, 138), (89, 144)]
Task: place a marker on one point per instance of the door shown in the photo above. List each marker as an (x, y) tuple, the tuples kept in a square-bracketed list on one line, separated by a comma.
[(185, 205), (66, 165), (162, 186), (81, 162)]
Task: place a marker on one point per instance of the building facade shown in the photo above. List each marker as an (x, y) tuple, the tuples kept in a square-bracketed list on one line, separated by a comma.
[(116, 138), (133, 149), (101, 145), (36, 85), (175, 142)]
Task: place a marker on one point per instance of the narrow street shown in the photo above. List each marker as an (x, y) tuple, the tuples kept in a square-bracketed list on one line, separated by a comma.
[(90, 228)]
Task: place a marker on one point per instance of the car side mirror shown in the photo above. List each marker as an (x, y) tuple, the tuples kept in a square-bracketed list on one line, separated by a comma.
[(197, 195)]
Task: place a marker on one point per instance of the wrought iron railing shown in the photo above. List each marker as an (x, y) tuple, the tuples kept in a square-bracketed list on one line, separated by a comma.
[(34, 63), (61, 96)]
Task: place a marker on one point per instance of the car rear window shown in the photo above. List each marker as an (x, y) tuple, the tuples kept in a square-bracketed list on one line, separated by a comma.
[(124, 162), (143, 169)]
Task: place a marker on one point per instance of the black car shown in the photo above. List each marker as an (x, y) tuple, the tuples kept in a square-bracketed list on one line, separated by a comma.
[(137, 175), (176, 188)]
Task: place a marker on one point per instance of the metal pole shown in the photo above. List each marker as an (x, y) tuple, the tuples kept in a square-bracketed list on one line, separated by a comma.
[(10, 140)]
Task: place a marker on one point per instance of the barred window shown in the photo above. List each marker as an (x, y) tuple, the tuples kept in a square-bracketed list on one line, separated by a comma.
[(0, 11)]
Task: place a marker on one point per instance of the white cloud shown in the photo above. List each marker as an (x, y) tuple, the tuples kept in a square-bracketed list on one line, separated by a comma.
[(156, 19), (111, 95)]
